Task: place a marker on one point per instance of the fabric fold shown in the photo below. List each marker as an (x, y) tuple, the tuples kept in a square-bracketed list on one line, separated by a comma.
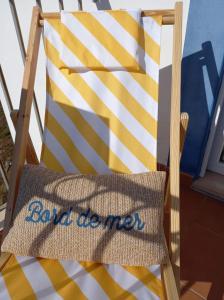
[(112, 37)]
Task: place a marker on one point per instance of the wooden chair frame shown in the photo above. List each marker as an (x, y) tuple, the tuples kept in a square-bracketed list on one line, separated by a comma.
[(23, 149)]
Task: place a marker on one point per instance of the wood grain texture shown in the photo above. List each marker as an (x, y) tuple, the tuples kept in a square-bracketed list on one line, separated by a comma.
[(175, 141), (22, 125), (183, 130), (184, 119), (169, 282)]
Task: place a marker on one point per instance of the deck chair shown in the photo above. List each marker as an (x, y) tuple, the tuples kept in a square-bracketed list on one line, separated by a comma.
[(37, 278)]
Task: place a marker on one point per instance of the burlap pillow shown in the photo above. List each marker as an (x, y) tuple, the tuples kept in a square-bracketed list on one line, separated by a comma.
[(105, 218)]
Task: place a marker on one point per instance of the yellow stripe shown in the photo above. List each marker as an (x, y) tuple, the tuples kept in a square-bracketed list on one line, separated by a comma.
[(145, 41), (140, 114), (115, 86), (111, 288), (104, 113), (50, 160), (110, 158), (154, 49), (158, 19), (107, 40), (16, 282), (149, 45), (62, 283), (128, 23), (80, 162), (76, 46), (100, 32), (47, 156), (148, 279), (146, 82)]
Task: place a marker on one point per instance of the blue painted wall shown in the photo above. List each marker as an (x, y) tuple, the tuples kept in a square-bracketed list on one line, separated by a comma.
[(202, 67)]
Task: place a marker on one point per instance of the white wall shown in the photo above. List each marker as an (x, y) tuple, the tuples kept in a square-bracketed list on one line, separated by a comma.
[(12, 63)]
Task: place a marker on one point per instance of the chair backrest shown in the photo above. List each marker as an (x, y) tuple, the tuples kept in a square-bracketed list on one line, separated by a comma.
[(101, 121)]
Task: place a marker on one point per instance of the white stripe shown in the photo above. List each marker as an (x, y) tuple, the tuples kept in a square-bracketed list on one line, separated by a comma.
[(120, 34), (138, 93), (72, 23), (123, 37), (152, 28), (4, 294), (150, 67), (137, 130), (134, 89), (52, 35), (130, 283), (125, 78), (131, 45), (87, 38), (37, 278), (88, 285), (156, 270), (53, 145), (78, 140), (95, 122), (120, 111)]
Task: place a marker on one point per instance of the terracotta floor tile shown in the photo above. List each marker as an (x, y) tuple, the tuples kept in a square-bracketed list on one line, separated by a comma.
[(189, 295), (189, 205), (202, 244), (206, 211), (185, 180), (201, 248), (211, 215), (200, 288)]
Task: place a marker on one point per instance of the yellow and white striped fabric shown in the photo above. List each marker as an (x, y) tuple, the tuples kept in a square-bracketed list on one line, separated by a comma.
[(97, 121), (127, 48)]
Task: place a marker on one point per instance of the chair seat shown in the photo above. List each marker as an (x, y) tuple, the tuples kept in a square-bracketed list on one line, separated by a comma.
[(37, 278)]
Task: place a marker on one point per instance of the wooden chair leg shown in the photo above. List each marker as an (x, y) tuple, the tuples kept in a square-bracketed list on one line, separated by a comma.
[(169, 281), (175, 140), (184, 119), (171, 270)]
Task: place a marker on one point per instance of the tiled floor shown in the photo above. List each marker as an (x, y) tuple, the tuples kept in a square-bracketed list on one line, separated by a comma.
[(202, 245)]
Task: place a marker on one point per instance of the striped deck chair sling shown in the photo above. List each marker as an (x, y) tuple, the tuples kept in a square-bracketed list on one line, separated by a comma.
[(97, 121)]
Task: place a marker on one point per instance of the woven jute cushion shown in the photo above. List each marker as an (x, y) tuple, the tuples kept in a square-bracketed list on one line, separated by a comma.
[(114, 218)]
